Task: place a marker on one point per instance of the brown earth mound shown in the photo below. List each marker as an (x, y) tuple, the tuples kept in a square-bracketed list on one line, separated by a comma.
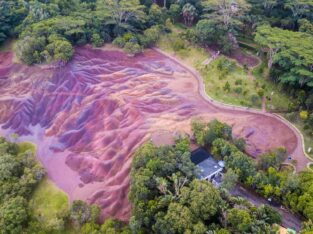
[(88, 118)]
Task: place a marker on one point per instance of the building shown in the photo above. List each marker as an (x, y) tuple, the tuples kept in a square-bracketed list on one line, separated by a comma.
[(209, 168)]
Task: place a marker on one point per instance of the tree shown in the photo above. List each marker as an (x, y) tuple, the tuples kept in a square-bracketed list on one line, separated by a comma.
[(121, 13), (298, 8), (13, 215), (272, 159), (189, 13), (292, 61), (225, 17), (269, 214), (82, 213), (174, 12), (202, 198), (230, 180), (29, 48), (132, 48), (239, 220)]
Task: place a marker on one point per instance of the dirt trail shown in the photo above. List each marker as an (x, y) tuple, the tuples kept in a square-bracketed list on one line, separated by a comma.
[(89, 117)]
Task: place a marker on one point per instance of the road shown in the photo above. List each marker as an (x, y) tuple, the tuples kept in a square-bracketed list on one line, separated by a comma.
[(289, 220)]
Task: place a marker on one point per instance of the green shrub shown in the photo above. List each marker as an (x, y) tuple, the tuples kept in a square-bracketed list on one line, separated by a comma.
[(226, 87), (150, 36), (96, 40), (238, 90), (174, 12), (62, 50), (238, 82), (225, 65), (178, 44), (132, 48), (255, 99), (292, 116), (29, 49), (119, 42), (304, 115)]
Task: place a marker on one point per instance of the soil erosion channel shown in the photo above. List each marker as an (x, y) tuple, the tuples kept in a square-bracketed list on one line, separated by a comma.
[(88, 118)]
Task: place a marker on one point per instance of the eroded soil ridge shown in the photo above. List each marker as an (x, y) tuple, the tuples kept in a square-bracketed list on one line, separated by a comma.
[(88, 118)]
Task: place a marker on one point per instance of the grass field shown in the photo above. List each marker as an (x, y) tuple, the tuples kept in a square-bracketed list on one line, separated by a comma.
[(48, 202)]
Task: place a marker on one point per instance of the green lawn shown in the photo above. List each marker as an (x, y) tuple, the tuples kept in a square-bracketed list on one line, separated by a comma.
[(48, 202)]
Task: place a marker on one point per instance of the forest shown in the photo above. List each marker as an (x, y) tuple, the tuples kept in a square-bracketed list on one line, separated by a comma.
[(165, 193)]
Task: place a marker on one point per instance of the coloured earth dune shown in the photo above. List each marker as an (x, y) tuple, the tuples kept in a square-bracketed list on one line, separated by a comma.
[(88, 118)]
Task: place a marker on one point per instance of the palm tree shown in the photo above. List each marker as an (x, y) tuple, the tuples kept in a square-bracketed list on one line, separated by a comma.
[(189, 14)]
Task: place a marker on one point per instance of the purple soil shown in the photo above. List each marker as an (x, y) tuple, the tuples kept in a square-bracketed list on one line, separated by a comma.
[(88, 117)]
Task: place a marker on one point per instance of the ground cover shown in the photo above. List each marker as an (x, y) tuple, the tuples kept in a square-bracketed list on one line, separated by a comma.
[(48, 203), (308, 138), (244, 85)]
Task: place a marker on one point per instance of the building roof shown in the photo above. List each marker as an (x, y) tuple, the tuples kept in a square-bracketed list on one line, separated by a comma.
[(205, 162)]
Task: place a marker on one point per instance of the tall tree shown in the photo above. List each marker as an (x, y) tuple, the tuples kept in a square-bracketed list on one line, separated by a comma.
[(121, 12)]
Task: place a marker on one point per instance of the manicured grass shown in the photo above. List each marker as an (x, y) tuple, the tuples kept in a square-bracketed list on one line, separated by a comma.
[(48, 202)]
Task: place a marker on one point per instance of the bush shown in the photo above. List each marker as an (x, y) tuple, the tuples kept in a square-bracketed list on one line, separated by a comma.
[(255, 99), (225, 65), (150, 37), (240, 143), (29, 49), (63, 50), (178, 44), (238, 82), (96, 40), (238, 90), (226, 87), (119, 42), (132, 48), (174, 12), (293, 116), (304, 115)]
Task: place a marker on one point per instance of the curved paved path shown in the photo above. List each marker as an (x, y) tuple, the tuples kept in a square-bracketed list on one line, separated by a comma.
[(298, 153)]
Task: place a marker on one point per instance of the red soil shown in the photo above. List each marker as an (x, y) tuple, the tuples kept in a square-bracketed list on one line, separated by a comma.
[(89, 117)]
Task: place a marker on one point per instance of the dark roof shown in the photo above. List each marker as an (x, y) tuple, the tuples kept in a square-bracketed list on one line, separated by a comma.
[(199, 155), (206, 163)]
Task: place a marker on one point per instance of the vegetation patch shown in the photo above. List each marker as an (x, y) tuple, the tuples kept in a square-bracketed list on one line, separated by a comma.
[(48, 203)]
